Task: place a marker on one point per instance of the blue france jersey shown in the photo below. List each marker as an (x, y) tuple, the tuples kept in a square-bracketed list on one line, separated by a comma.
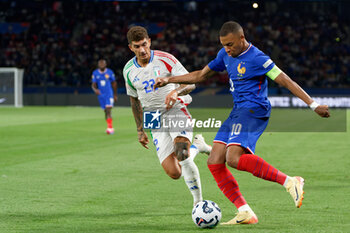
[(104, 81), (248, 82)]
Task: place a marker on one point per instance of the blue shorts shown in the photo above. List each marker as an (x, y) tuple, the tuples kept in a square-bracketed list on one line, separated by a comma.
[(106, 101), (243, 127)]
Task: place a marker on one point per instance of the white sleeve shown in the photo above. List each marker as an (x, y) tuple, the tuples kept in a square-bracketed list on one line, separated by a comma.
[(178, 69), (130, 89)]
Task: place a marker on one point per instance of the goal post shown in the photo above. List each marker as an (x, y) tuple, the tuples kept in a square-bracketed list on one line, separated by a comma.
[(11, 87)]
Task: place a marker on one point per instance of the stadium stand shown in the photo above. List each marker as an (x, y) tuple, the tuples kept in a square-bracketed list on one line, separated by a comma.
[(58, 43)]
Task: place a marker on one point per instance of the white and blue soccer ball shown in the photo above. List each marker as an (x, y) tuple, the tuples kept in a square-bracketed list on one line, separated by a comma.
[(206, 214)]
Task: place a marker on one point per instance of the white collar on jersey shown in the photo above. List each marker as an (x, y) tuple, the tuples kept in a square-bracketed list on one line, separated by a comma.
[(245, 51)]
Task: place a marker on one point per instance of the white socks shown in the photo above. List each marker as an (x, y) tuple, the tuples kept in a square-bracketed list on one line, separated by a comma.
[(245, 207), (193, 152), (286, 181), (191, 176)]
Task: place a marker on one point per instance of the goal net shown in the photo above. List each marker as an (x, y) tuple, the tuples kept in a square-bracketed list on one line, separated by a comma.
[(11, 87)]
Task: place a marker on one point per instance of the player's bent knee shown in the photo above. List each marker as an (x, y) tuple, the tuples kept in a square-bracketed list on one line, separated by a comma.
[(174, 175), (108, 110), (233, 155), (181, 150), (233, 159), (171, 167), (212, 159), (216, 158), (217, 154), (232, 162)]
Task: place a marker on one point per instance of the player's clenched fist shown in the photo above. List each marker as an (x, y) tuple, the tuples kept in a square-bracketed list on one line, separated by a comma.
[(322, 110), (161, 82)]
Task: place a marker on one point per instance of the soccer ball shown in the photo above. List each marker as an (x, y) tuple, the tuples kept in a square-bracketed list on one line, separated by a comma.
[(206, 214)]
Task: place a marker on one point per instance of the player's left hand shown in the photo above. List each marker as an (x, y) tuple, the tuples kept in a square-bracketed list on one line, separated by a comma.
[(322, 110), (160, 82), (143, 139), (170, 99), (115, 97)]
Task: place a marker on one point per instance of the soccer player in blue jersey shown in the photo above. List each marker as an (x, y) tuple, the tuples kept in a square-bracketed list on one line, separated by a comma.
[(234, 144), (105, 86)]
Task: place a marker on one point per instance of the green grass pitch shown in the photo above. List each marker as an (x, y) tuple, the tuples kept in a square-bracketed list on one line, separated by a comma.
[(59, 172)]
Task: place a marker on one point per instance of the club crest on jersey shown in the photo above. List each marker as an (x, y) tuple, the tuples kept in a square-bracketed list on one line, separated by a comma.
[(241, 69), (106, 76), (156, 71)]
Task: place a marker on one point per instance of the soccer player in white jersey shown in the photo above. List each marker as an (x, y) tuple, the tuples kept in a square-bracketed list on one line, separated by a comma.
[(173, 145)]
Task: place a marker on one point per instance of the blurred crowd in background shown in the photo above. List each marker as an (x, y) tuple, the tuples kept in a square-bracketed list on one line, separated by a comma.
[(62, 41)]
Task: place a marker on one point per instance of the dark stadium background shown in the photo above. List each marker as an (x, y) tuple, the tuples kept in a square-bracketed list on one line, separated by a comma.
[(60, 172), (58, 43)]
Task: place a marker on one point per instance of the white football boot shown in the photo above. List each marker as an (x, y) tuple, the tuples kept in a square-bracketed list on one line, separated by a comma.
[(200, 143)]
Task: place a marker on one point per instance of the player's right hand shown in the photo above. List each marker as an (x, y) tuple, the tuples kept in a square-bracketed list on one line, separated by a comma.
[(322, 110), (160, 82), (97, 92), (170, 99), (143, 139)]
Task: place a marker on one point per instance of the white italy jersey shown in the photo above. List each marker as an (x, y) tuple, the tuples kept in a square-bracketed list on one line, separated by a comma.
[(139, 80)]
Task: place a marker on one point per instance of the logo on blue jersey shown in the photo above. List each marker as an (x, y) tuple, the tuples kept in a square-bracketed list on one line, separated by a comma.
[(151, 120), (241, 69)]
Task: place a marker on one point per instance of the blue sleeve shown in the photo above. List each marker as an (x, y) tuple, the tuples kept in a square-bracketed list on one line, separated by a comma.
[(93, 77), (218, 63), (112, 76), (263, 63)]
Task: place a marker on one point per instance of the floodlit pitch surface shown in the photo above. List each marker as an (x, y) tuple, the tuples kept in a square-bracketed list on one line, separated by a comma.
[(59, 172)]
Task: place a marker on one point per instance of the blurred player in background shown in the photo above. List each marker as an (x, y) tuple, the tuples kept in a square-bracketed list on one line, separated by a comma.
[(105, 86), (234, 144), (173, 145)]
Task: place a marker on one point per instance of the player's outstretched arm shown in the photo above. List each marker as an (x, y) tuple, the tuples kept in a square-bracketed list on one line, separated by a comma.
[(190, 78), (185, 89), (137, 112), (285, 81)]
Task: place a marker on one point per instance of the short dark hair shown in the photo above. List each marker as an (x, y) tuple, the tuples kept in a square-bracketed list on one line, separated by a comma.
[(230, 27), (137, 33)]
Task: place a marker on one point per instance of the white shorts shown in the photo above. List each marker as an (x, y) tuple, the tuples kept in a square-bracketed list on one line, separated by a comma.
[(163, 138)]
